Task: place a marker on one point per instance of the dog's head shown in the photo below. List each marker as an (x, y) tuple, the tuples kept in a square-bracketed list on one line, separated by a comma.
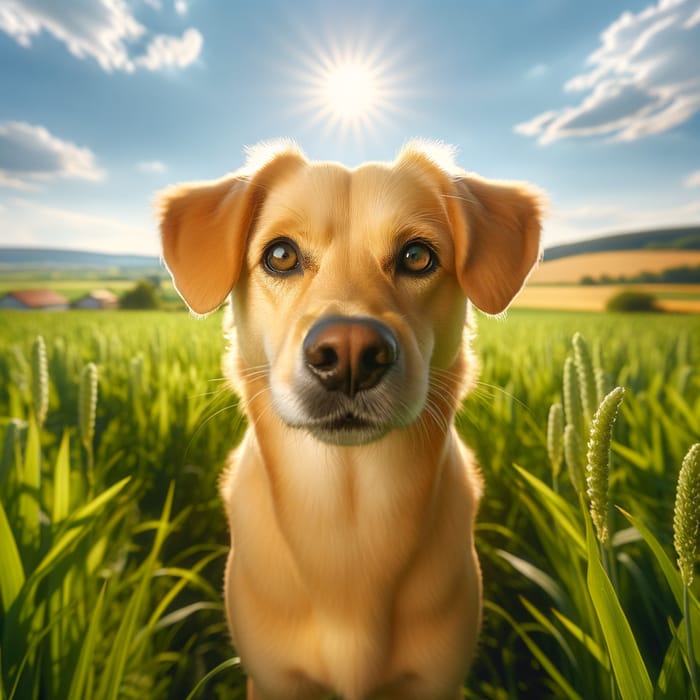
[(351, 287)]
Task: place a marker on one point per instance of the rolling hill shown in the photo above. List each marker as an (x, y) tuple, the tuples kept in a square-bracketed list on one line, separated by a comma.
[(58, 258), (685, 238), (13, 259)]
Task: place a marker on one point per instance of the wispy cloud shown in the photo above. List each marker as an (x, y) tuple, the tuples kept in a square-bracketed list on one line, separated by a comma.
[(103, 30), (577, 223), (171, 52), (537, 71), (32, 223), (181, 7), (693, 180), (644, 79), (152, 166), (29, 154)]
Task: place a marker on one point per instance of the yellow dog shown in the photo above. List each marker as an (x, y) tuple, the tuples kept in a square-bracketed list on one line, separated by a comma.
[(351, 500)]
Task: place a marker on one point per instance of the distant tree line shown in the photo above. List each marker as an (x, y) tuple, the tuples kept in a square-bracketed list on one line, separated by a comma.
[(691, 241), (673, 275)]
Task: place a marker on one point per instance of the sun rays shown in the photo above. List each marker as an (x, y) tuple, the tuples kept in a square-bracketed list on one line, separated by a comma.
[(350, 91)]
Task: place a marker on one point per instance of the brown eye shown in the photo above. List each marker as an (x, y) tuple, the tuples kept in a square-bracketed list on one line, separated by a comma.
[(416, 258), (281, 258)]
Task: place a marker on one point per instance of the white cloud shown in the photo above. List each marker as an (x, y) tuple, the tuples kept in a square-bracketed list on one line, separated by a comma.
[(693, 180), (30, 154), (581, 222), (152, 166), (28, 222), (103, 30), (644, 79), (181, 7), (171, 52)]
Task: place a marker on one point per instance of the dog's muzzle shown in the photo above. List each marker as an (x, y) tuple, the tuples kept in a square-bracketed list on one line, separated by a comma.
[(349, 354)]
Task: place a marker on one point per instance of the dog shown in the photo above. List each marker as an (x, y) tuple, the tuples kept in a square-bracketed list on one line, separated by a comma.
[(351, 500)]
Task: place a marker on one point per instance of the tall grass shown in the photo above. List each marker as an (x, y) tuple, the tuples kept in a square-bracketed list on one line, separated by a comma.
[(582, 598), (112, 539)]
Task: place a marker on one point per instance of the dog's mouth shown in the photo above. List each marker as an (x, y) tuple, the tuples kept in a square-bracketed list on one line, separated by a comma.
[(346, 422), (348, 428)]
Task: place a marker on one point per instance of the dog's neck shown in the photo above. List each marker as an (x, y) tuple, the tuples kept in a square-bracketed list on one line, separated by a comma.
[(349, 491)]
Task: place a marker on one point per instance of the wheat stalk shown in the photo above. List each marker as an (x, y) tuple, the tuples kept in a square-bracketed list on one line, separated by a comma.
[(555, 439), (586, 377), (87, 410), (572, 397), (686, 514), (573, 452), (598, 466), (686, 531), (40, 380)]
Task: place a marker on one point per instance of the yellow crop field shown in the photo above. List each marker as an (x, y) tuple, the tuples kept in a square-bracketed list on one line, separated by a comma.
[(682, 298), (615, 264)]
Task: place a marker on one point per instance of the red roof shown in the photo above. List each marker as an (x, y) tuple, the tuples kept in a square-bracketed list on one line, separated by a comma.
[(38, 298)]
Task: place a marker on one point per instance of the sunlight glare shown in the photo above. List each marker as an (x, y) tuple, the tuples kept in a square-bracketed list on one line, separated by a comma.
[(351, 90)]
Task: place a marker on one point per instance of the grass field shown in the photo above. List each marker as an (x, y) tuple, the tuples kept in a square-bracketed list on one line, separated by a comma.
[(112, 539)]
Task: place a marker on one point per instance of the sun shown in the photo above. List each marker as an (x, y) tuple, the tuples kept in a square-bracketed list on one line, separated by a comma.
[(350, 91)]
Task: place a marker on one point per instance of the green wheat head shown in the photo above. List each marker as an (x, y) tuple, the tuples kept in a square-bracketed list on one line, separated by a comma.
[(572, 396), (87, 403), (603, 385), (573, 452), (598, 466), (586, 377), (555, 437), (40, 380), (686, 514)]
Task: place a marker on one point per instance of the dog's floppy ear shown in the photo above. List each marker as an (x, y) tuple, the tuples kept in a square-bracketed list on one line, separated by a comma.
[(204, 228), (497, 238)]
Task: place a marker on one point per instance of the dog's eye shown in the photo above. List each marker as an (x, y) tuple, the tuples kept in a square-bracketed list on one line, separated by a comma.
[(416, 258), (281, 257)]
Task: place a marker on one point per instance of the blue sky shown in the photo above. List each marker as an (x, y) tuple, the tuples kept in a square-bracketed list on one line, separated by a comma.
[(104, 102)]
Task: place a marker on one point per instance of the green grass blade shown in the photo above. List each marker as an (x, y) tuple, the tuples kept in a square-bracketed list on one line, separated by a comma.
[(11, 570), (547, 624), (76, 529), (536, 575), (177, 616), (628, 666), (29, 496), (561, 511), (229, 663), (61, 481), (113, 674), (673, 579), (668, 568), (86, 659), (671, 683), (562, 684), (588, 643)]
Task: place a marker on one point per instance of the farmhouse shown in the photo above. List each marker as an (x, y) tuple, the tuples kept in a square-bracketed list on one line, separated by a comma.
[(97, 299), (33, 299)]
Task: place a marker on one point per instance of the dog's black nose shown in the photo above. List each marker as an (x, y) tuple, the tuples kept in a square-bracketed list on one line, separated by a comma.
[(349, 354)]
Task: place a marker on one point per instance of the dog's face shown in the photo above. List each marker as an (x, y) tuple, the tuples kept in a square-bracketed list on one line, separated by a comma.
[(350, 287)]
